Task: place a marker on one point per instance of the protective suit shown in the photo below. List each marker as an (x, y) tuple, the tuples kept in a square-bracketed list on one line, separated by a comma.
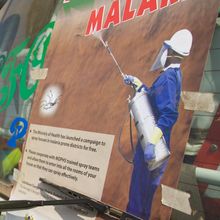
[(165, 96), (164, 99)]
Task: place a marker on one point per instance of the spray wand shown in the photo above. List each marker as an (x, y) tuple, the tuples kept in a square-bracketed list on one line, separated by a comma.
[(105, 43)]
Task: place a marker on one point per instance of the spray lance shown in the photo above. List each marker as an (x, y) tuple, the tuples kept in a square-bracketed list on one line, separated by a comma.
[(142, 113), (105, 44)]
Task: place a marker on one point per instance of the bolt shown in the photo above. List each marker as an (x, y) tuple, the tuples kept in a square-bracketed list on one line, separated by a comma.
[(213, 148)]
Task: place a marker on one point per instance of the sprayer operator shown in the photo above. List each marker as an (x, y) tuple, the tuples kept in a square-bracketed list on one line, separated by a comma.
[(164, 97)]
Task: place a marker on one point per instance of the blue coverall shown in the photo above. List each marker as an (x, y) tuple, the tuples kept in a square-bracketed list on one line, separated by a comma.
[(164, 96)]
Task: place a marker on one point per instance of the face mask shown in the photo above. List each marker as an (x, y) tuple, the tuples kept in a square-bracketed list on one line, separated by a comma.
[(161, 58)]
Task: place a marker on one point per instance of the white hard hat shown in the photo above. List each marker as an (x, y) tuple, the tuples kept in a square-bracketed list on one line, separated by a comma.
[(181, 42)]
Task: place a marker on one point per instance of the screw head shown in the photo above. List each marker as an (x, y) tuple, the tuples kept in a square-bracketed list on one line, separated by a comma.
[(213, 147)]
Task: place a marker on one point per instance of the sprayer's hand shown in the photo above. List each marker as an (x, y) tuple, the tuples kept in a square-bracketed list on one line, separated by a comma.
[(156, 136), (149, 152), (128, 79), (133, 81)]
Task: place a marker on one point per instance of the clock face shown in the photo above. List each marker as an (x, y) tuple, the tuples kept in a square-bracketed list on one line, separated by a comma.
[(50, 100)]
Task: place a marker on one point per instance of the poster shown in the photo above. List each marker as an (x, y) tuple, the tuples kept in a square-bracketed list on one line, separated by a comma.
[(100, 54)]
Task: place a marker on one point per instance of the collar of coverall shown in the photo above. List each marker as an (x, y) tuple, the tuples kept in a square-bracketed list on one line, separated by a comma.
[(172, 65)]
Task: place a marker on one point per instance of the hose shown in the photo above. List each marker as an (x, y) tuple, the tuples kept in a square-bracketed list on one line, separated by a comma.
[(131, 141)]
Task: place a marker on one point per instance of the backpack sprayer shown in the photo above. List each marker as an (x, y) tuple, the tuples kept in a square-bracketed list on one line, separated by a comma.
[(141, 111)]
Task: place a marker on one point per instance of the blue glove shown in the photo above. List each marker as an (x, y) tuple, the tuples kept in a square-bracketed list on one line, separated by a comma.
[(149, 152), (128, 79), (133, 81)]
